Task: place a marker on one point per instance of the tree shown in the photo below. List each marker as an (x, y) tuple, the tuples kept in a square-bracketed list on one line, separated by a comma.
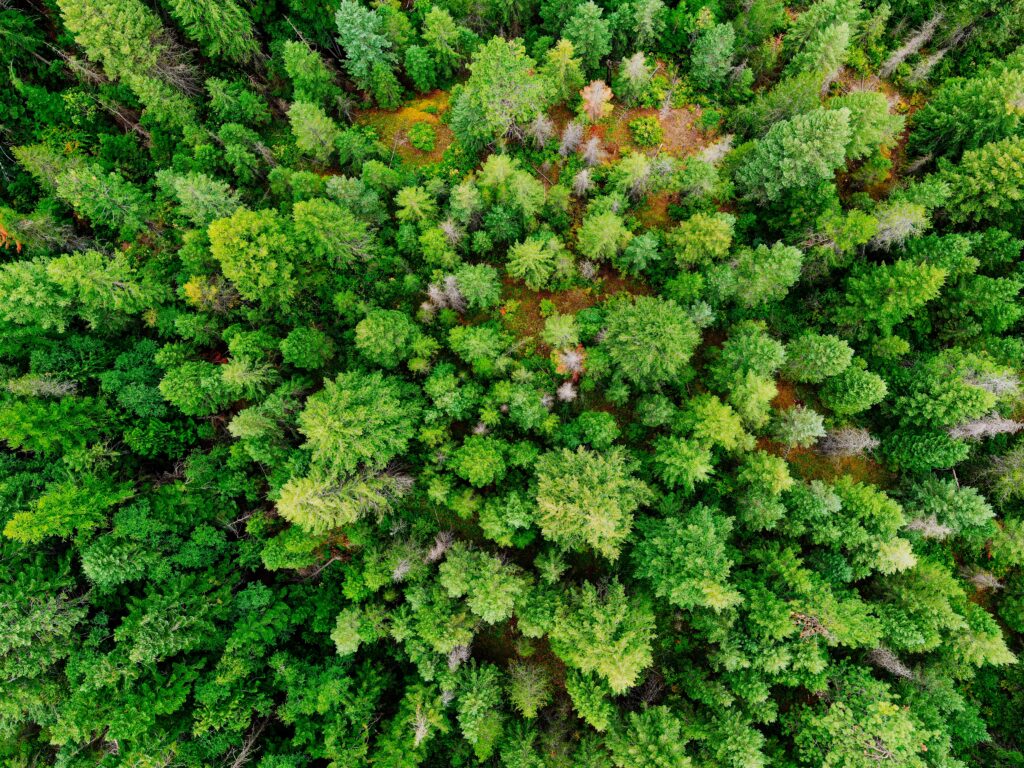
[(256, 253), (106, 199), (415, 204), (872, 128), (861, 724), (604, 633), (307, 348), (749, 349), (478, 709), (602, 236), (686, 559), (711, 59), (585, 498), (479, 285), (321, 502), (590, 34), (201, 199), (331, 234), (854, 390), (653, 737), (824, 52), (868, 530), (702, 238), (813, 357), (196, 389), (529, 688), (533, 261), (445, 41), (503, 90), (884, 295), (646, 22), (384, 85), (385, 337), (796, 154), (419, 66), (312, 80), (634, 76), (123, 36), (597, 100), (491, 588), (315, 133), (361, 34), (563, 72), (358, 419), (221, 28), (650, 340), (74, 506), (560, 331), (682, 463), (988, 185), (799, 426), (766, 274), (966, 114), (479, 461)]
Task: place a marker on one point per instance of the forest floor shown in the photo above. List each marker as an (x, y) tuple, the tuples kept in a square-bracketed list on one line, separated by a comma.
[(522, 306), (392, 125)]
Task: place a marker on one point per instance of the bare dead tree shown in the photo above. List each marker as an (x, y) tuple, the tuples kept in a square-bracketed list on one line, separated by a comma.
[(582, 182), (848, 441), (35, 385), (541, 130), (929, 528), (883, 658), (810, 626), (572, 135), (714, 153), (566, 392), (996, 383), (912, 45), (245, 754), (593, 153), (453, 294), (986, 426), (458, 656), (442, 543)]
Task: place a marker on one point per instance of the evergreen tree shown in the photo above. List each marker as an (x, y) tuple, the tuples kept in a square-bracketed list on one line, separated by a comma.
[(796, 154)]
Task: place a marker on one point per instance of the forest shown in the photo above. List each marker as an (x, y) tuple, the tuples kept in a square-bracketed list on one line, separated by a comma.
[(511, 383)]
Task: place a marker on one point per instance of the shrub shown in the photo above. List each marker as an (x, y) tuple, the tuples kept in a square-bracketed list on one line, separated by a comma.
[(423, 136), (646, 131)]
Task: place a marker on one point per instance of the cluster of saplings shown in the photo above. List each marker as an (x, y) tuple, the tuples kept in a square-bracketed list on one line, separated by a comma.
[(534, 384)]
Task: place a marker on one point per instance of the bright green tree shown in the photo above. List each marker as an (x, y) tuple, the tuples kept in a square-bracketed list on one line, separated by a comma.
[(587, 499)]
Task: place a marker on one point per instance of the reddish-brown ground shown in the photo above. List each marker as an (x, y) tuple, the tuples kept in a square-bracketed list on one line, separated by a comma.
[(786, 396), (808, 464), (521, 307), (682, 137)]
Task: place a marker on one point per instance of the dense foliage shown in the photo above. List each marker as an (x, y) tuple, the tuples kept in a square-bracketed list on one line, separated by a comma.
[(533, 383)]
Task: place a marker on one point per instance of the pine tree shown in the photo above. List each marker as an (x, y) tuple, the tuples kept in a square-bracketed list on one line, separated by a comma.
[(358, 419), (796, 154), (605, 633), (587, 499), (502, 91), (590, 35), (221, 28), (361, 35)]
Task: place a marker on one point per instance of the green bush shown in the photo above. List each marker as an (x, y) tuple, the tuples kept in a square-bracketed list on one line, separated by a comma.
[(646, 131), (423, 136)]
